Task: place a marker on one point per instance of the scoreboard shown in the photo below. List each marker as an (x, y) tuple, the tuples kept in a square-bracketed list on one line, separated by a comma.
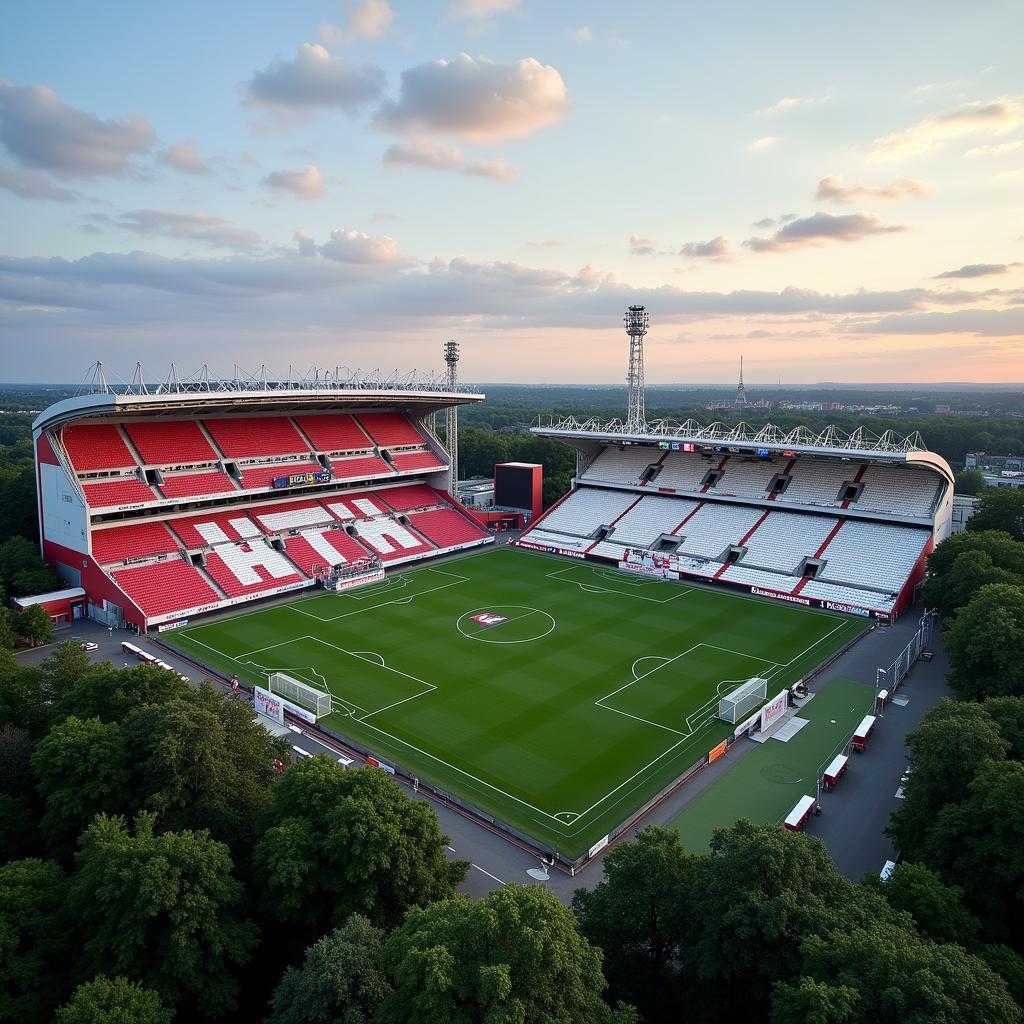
[(298, 479)]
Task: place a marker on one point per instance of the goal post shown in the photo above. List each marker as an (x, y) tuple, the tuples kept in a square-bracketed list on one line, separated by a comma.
[(735, 706), (309, 697)]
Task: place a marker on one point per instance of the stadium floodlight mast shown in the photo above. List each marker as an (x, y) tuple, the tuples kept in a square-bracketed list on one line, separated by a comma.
[(451, 416), (637, 322)]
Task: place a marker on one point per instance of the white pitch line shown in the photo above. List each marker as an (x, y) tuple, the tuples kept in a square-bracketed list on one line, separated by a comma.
[(646, 721)]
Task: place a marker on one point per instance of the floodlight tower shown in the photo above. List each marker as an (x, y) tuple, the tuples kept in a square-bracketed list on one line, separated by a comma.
[(451, 416), (636, 321), (741, 391)]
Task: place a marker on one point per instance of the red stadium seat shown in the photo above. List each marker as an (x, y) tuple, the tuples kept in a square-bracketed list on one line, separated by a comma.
[(96, 446), (390, 428), (136, 540), (189, 485), (264, 476), (335, 432), (163, 587), (359, 468), (402, 499), (219, 527), (170, 442), (243, 437), (405, 461), (446, 528), (125, 490)]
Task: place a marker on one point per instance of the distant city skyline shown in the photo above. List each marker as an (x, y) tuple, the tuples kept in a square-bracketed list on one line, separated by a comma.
[(837, 197)]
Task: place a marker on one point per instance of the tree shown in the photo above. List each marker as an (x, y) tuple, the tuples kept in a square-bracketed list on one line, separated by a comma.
[(984, 644), (83, 770), (948, 592), (807, 1001), (1000, 508), (201, 761), (969, 481), (935, 907), (341, 981), (34, 625), (636, 916), (7, 637), (110, 694), (34, 939), (514, 956), (164, 910), (113, 1001), (22, 570), (759, 893), (1005, 552), (66, 667), (946, 750), (341, 842), (1008, 714), (898, 978)]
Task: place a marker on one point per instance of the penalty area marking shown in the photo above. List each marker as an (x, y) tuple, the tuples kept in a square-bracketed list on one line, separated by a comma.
[(483, 634)]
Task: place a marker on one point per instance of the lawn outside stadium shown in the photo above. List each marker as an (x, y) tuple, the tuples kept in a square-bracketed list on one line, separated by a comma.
[(553, 698)]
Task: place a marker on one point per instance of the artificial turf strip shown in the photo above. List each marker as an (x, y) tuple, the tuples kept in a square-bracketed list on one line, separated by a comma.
[(766, 784), (505, 716)]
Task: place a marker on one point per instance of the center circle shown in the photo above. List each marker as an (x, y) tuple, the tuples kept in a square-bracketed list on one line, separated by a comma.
[(512, 624)]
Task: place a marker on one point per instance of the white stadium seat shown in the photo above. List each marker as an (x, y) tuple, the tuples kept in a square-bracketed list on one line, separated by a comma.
[(586, 509)]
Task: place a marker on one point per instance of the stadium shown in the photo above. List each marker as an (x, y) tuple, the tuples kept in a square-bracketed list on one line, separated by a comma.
[(554, 687)]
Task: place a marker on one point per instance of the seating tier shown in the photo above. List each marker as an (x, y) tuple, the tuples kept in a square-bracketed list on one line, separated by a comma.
[(446, 528), (402, 499), (207, 528), (389, 540), (359, 468), (249, 568), (125, 490), (405, 461), (390, 428), (192, 485), (243, 437), (170, 442), (93, 446), (334, 432), (318, 549), (162, 587), (265, 475), (137, 540)]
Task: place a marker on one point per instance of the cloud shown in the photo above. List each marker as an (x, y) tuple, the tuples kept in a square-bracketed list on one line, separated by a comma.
[(476, 100), (34, 185), (439, 157), (991, 323), (199, 227), (184, 157), (769, 222), (978, 270), (314, 79), (346, 245), (715, 249), (822, 227), (369, 20), (997, 150), (40, 131), (992, 117), (640, 246), (480, 10), (790, 103), (834, 190), (762, 143), (305, 184)]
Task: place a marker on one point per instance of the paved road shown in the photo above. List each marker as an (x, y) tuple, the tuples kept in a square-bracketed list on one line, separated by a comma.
[(854, 817)]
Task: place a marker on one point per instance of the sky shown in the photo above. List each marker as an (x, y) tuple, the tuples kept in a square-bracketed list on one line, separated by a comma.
[(834, 192)]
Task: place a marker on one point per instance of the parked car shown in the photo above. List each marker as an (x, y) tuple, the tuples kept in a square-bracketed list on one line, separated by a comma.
[(88, 645)]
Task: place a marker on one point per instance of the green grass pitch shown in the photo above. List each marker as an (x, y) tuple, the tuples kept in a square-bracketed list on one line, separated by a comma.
[(597, 690)]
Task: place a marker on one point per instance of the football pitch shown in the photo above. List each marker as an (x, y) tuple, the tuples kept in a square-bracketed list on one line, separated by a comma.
[(554, 696)]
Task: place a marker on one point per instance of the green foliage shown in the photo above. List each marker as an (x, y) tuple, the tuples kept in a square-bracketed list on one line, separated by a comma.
[(341, 842), (19, 835), (971, 570), (110, 694), (985, 642), (1005, 552), (34, 939), (164, 910), (898, 977), (7, 637), (201, 761), (969, 481), (22, 570), (34, 626), (113, 1001), (1000, 508), (946, 750), (341, 981), (515, 956), (936, 908), (760, 892), (83, 770), (807, 1001), (636, 915)]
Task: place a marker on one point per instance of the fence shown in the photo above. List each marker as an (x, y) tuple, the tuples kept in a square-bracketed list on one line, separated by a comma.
[(892, 675)]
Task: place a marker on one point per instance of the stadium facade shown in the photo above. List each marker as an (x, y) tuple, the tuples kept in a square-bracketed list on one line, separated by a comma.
[(168, 502), (822, 519)]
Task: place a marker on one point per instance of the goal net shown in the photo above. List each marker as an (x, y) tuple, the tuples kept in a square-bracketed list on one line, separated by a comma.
[(298, 692), (735, 706)]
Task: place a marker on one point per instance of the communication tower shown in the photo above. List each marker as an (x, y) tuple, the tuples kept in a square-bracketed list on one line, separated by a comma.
[(451, 416), (741, 391)]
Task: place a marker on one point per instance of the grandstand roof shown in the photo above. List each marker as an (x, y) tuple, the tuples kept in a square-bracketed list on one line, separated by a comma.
[(206, 395)]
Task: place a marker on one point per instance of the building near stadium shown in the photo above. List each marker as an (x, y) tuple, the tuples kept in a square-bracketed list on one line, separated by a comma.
[(824, 519), (167, 502)]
